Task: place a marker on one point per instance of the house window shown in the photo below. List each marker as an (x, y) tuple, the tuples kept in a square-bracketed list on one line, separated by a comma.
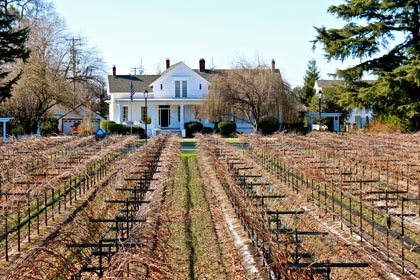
[(184, 88), (125, 113), (181, 88), (177, 89), (200, 87), (143, 114), (161, 86)]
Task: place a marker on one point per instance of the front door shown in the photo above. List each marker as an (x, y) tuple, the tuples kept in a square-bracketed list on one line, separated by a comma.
[(164, 115)]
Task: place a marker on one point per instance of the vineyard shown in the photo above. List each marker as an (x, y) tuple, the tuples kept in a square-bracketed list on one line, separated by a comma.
[(321, 206)]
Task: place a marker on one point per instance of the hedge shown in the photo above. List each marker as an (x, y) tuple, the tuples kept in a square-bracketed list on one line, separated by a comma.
[(115, 128)]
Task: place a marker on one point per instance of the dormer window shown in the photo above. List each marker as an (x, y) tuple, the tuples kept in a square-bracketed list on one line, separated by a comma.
[(181, 88)]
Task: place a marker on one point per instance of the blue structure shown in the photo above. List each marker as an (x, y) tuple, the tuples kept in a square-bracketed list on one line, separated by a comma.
[(4, 121)]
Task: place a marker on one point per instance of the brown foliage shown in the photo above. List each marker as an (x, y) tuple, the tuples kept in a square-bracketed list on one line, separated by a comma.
[(250, 93)]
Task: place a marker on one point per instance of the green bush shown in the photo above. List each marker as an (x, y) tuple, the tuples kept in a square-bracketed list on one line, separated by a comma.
[(104, 125), (116, 128), (269, 125), (17, 131), (49, 126), (226, 128), (191, 128)]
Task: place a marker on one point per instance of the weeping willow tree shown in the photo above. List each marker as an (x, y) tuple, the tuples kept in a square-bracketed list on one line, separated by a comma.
[(250, 92)]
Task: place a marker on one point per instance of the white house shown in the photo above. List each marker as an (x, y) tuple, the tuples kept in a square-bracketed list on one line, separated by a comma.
[(172, 98)]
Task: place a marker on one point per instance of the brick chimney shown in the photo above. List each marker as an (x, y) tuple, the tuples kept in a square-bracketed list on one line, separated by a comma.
[(273, 65), (114, 71), (202, 63), (168, 63)]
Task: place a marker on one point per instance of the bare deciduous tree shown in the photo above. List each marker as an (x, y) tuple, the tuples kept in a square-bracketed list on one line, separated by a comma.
[(47, 76), (250, 92), (43, 82)]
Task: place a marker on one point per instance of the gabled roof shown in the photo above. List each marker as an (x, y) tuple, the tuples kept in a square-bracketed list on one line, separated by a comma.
[(209, 73), (178, 65), (330, 83), (80, 110), (121, 83)]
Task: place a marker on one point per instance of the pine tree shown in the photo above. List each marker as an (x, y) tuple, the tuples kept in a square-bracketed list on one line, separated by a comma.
[(385, 36), (312, 74), (12, 48)]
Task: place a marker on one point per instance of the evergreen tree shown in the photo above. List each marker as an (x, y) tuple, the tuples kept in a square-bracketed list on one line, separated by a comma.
[(12, 48), (312, 74), (385, 36)]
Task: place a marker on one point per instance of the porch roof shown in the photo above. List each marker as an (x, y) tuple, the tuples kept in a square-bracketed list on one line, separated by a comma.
[(155, 101)]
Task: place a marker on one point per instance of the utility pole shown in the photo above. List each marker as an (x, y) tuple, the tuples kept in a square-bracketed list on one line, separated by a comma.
[(74, 63), (139, 69), (135, 70)]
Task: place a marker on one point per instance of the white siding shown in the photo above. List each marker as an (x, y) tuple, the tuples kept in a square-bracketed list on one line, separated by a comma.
[(181, 72)]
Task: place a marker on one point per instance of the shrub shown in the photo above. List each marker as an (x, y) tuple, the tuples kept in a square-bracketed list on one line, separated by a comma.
[(104, 125), (191, 128), (49, 126), (17, 131), (137, 131), (269, 125), (380, 126), (116, 128), (226, 128)]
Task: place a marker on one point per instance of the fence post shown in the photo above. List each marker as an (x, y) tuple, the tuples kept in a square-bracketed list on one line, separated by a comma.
[(7, 235), (18, 229), (45, 208), (29, 220)]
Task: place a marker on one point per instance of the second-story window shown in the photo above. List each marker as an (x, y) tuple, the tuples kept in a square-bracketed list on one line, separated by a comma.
[(181, 88), (161, 86)]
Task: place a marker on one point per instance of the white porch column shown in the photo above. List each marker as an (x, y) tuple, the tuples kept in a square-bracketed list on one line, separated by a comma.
[(153, 118), (181, 120)]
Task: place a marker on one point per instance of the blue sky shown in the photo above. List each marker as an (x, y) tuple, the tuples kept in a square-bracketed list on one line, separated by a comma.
[(128, 32)]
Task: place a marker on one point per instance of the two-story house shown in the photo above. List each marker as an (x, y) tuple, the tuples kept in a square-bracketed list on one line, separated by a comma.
[(172, 98)]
